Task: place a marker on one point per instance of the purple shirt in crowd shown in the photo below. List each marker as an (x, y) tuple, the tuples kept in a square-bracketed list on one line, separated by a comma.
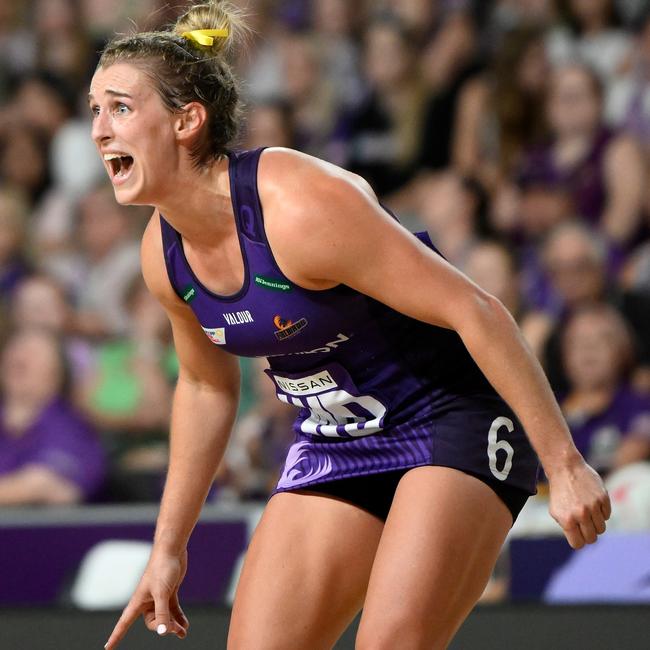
[(585, 181), (61, 440), (598, 436)]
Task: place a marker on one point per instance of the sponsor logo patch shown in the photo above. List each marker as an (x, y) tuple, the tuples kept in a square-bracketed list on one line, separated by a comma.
[(310, 385), (287, 328), (216, 334), (189, 293), (272, 283), (330, 346), (238, 317)]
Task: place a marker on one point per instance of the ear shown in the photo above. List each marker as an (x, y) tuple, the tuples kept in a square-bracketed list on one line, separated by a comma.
[(189, 122)]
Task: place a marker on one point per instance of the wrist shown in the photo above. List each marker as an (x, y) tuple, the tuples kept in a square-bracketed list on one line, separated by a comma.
[(561, 460), (168, 542)]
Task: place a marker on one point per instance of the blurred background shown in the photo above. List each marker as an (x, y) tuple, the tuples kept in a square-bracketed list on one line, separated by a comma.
[(517, 132)]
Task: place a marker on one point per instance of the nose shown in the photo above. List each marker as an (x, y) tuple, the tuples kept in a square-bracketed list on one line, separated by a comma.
[(101, 130)]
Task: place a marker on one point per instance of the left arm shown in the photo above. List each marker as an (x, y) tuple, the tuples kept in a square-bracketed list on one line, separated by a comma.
[(337, 233), (625, 180), (37, 484)]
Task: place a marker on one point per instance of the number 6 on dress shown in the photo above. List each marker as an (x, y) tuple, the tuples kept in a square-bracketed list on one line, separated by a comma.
[(495, 445)]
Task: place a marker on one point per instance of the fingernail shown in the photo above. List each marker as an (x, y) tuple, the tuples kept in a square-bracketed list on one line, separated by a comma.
[(161, 629)]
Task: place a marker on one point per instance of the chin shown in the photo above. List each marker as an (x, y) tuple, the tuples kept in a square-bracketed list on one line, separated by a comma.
[(129, 196)]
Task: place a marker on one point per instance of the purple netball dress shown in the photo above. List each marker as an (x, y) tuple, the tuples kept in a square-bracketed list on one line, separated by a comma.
[(377, 391)]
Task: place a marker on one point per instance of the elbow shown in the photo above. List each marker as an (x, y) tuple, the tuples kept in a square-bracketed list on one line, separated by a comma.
[(483, 313)]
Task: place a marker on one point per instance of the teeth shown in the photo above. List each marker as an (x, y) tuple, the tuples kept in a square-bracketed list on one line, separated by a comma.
[(113, 156)]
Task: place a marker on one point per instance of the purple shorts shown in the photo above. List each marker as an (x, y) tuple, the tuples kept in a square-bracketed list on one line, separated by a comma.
[(478, 435)]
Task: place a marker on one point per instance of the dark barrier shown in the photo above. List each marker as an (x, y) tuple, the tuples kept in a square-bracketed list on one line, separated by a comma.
[(520, 627)]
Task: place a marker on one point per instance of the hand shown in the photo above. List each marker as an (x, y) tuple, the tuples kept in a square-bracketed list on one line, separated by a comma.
[(156, 598), (579, 502)]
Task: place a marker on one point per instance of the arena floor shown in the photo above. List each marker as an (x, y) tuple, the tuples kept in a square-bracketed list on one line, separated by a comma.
[(522, 627)]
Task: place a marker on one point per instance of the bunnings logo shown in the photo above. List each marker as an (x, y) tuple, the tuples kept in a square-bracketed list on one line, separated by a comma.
[(189, 293), (272, 283)]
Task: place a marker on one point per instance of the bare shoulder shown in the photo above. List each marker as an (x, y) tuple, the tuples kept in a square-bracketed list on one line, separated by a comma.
[(299, 189), (314, 212), (622, 150)]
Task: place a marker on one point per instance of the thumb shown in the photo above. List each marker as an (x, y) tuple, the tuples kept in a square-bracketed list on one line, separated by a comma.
[(161, 607)]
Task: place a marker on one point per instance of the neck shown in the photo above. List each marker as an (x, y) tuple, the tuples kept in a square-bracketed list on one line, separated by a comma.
[(202, 210), (577, 138), (594, 25), (20, 413)]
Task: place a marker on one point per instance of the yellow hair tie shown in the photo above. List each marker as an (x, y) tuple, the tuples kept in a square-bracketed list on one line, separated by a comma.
[(205, 36)]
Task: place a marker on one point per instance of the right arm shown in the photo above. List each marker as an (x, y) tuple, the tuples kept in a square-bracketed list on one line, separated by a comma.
[(203, 412)]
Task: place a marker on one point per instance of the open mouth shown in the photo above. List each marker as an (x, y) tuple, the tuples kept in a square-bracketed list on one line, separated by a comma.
[(119, 165)]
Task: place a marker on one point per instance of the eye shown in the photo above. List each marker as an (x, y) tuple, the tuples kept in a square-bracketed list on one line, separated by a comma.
[(94, 110), (122, 109)]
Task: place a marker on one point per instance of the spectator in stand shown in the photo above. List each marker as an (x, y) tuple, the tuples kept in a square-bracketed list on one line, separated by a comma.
[(335, 23), (491, 265), (48, 453), (100, 272), (609, 421), (259, 443), (42, 101), (575, 259), (40, 301), (270, 124), (603, 171), (13, 227), (381, 139), (310, 93), (446, 51), (127, 395), (451, 207), (628, 98), (17, 48), (447, 62), (63, 43), (262, 66), (591, 34), (505, 15), (419, 17), (23, 163), (500, 112), (526, 214)]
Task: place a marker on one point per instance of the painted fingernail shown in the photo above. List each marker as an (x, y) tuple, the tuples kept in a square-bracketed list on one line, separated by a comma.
[(161, 629)]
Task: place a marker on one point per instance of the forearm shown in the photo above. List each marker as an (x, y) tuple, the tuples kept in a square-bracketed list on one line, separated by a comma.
[(498, 347), (35, 484), (620, 222), (200, 425)]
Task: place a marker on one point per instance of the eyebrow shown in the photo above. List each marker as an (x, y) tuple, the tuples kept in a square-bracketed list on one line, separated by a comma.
[(115, 93)]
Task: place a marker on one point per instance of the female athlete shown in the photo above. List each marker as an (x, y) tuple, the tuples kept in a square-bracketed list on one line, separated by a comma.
[(410, 462)]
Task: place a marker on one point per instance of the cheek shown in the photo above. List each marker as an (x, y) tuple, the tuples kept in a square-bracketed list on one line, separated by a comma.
[(159, 144)]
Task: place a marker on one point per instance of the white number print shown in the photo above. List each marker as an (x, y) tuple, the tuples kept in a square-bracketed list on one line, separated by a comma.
[(495, 445), (329, 413), (336, 407)]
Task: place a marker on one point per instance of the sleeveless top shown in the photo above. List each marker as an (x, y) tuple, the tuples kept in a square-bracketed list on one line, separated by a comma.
[(352, 365)]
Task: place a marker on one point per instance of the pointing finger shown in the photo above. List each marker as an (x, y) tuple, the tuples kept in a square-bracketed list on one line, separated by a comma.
[(122, 626)]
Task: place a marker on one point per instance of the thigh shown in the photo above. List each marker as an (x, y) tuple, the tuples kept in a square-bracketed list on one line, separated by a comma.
[(438, 548), (305, 574)]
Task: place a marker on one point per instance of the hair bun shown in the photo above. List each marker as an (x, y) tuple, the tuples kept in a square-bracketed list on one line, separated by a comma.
[(221, 16)]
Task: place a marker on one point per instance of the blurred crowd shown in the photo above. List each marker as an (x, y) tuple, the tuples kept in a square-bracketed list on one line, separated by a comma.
[(517, 132)]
